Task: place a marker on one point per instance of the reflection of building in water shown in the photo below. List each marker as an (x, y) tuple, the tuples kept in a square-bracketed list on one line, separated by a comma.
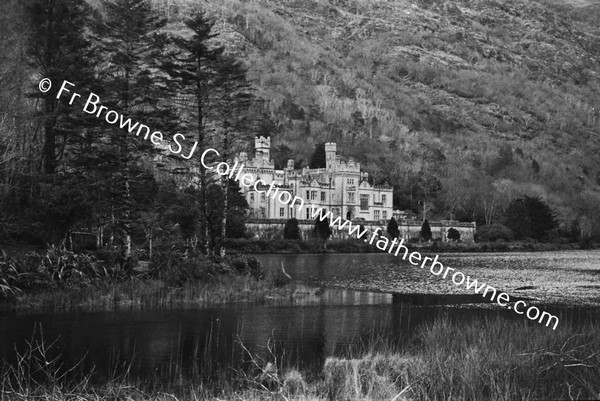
[(340, 187)]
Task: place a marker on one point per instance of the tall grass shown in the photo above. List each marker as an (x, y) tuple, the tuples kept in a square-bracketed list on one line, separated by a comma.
[(489, 359)]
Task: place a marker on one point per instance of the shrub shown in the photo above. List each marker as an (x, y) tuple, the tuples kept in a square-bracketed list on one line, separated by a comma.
[(291, 229), (493, 232), (176, 267), (70, 268), (453, 234), (392, 228), (246, 265)]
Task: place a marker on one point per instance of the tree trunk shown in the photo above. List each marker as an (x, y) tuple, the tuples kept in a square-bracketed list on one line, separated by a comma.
[(222, 250)]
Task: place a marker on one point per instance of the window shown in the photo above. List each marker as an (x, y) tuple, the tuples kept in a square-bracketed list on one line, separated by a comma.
[(364, 202), (307, 214), (307, 195), (262, 197), (376, 214), (281, 212), (350, 181), (383, 199), (313, 195), (322, 196), (336, 211), (384, 213), (252, 198), (351, 197)]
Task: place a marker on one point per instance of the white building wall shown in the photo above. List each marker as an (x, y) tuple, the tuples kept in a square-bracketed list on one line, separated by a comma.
[(337, 188)]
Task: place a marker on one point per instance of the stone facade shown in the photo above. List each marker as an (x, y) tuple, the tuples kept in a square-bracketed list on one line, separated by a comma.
[(340, 187)]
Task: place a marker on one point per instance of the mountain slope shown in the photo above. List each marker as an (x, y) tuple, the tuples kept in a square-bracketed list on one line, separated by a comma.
[(456, 103)]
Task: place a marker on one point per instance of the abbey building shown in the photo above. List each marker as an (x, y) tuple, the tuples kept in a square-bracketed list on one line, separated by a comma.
[(340, 187)]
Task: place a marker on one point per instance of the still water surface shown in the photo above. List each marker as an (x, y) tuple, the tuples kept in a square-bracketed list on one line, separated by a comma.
[(205, 341)]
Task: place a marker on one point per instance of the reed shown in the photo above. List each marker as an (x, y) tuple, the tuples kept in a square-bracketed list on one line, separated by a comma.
[(489, 359)]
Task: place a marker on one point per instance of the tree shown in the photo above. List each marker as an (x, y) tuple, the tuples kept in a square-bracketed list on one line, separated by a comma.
[(392, 228), (291, 229), (231, 107), (426, 231), (281, 155), (318, 157), (322, 229), (237, 207), (135, 85), (59, 50), (192, 68), (453, 234), (530, 217), (62, 202)]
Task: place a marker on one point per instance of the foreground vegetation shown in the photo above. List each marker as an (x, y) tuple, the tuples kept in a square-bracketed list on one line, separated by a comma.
[(494, 359), (61, 279)]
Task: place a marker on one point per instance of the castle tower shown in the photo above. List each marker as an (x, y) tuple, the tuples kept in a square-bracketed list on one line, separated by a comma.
[(262, 148), (330, 151)]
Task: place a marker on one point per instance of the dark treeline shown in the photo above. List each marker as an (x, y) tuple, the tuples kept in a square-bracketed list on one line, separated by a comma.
[(64, 171)]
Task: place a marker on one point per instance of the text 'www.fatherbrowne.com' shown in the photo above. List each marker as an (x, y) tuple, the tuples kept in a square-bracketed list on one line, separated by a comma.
[(93, 106), (435, 267)]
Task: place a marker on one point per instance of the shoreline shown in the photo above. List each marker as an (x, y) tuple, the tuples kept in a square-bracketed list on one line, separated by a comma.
[(335, 246)]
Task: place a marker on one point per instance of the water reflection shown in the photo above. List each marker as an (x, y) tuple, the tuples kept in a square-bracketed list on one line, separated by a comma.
[(205, 342)]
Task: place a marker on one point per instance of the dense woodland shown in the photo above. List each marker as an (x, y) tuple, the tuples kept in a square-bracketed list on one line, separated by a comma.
[(475, 111)]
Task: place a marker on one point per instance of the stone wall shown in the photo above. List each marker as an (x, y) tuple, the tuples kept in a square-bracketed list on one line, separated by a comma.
[(273, 229)]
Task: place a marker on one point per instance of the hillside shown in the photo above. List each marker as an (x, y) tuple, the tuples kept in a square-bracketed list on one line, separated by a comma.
[(461, 105)]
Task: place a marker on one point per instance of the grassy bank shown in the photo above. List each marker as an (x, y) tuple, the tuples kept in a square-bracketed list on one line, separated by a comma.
[(57, 279), (493, 359)]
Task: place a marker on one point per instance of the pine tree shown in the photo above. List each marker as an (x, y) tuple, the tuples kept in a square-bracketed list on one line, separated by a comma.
[(193, 69), (59, 50), (530, 217), (135, 86), (231, 106), (426, 231)]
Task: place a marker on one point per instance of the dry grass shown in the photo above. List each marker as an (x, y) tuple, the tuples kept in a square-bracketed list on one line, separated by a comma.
[(492, 359)]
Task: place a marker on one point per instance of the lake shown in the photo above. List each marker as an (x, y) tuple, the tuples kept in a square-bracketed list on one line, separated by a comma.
[(205, 342)]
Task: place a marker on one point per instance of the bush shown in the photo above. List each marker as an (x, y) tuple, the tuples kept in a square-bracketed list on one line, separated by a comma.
[(246, 266), (493, 232), (176, 267), (453, 234), (291, 229)]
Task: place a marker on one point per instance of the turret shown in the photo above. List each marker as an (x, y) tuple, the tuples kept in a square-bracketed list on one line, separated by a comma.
[(262, 148), (330, 151)]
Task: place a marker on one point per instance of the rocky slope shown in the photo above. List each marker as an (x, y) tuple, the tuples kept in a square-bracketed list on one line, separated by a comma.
[(480, 98)]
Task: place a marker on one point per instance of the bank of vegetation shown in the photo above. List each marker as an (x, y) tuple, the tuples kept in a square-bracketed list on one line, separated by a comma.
[(58, 279), (444, 360)]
